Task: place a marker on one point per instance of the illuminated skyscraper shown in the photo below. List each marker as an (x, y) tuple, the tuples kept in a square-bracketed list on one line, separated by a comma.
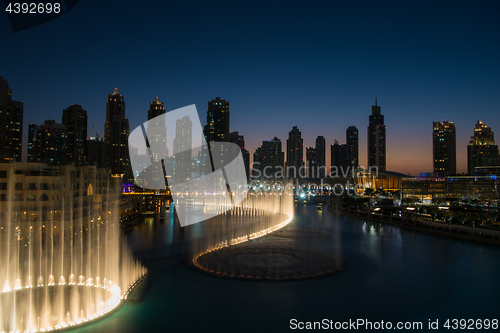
[(294, 153), (352, 146), (75, 120), (320, 160), (116, 154), (481, 148), (218, 120), (51, 144), (32, 129), (11, 124), (271, 159), (376, 139), (217, 129), (444, 148)]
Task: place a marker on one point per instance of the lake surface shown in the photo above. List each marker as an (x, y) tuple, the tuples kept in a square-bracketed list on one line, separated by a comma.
[(392, 275)]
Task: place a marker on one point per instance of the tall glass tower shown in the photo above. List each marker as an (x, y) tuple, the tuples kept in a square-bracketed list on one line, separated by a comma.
[(444, 148), (376, 139)]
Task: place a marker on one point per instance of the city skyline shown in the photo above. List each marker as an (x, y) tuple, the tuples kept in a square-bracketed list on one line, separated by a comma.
[(148, 114), (322, 74)]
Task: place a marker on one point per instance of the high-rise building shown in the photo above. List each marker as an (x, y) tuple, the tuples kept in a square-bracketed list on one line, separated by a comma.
[(271, 159), (257, 162), (345, 157), (116, 134), (156, 133), (294, 153), (51, 144), (311, 162), (75, 119), (218, 120), (376, 139), (234, 137), (320, 163), (352, 146), (95, 151), (11, 125), (338, 157), (217, 129), (481, 148), (444, 148), (32, 132), (183, 144)]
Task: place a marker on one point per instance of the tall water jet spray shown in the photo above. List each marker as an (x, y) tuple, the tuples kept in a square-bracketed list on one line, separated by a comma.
[(63, 259), (259, 214)]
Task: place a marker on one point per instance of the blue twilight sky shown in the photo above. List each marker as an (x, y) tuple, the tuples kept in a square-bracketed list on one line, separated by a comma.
[(317, 65)]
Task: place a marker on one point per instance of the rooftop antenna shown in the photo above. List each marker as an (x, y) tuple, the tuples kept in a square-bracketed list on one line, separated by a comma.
[(375, 101)]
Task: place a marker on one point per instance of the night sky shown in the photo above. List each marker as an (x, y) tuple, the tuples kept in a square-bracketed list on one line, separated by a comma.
[(317, 65)]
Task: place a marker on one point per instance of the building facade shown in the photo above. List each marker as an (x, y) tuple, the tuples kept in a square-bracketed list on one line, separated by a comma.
[(239, 140), (75, 119), (352, 146), (51, 144), (320, 157), (11, 125), (444, 148), (294, 153), (218, 120), (183, 146), (116, 132), (482, 148), (31, 191), (32, 132), (377, 139)]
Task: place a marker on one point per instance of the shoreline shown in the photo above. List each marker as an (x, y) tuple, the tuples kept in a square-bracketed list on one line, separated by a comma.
[(441, 229)]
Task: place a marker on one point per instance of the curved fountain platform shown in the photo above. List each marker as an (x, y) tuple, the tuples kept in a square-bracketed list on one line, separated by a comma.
[(268, 261), (299, 234)]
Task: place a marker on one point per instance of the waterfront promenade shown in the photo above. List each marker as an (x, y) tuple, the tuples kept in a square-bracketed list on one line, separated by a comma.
[(478, 234)]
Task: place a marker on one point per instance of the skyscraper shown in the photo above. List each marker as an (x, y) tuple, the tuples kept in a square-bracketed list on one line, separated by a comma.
[(234, 137), (32, 132), (320, 150), (95, 151), (257, 162), (311, 162), (75, 120), (294, 153), (183, 144), (156, 132), (376, 139), (444, 148), (11, 124), (51, 144), (352, 146), (217, 129), (271, 159), (338, 157), (218, 120), (117, 129), (345, 157), (481, 148)]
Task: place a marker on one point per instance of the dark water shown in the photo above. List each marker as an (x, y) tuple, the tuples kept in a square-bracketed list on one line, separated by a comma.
[(392, 275)]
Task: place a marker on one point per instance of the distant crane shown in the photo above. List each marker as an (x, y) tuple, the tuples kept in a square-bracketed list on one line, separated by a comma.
[(90, 130)]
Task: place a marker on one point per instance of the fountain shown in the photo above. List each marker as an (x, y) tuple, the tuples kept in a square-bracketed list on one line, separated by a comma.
[(62, 264), (257, 215)]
